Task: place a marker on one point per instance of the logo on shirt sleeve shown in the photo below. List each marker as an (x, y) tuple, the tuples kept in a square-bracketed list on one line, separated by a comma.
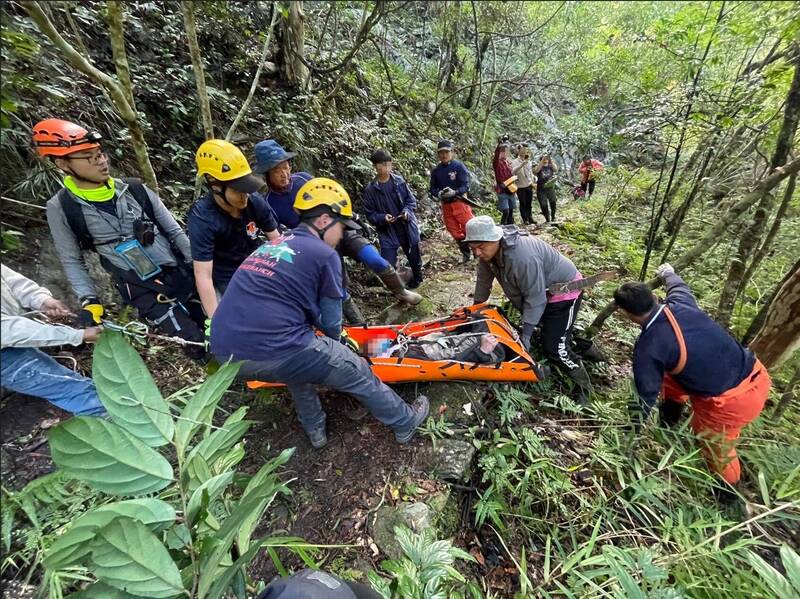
[(252, 230)]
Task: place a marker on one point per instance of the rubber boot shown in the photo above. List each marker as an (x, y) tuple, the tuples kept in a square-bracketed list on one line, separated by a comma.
[(582, 383), (391, 279), (587, 349), (466, 253), (351, 312)]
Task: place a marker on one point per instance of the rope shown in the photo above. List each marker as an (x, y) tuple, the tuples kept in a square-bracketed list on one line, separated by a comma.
[(141, 332)]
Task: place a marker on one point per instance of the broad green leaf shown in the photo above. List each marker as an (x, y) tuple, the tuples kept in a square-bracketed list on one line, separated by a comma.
[(127, 556), (791, 563), (260, 480), (222, 439), (200, 408), (72, 546), (775, 581), (100, 590), (108, 458), (212, 489), (248, 507), (128, 391)]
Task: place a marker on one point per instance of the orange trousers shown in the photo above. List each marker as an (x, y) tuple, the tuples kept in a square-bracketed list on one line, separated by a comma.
[(718, 421), (455, 215)]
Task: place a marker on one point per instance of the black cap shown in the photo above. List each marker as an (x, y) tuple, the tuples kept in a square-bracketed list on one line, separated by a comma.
[(445, 144), (380, 155)]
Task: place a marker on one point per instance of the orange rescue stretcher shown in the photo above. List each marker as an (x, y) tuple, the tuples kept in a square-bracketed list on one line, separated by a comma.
[(515, 367)]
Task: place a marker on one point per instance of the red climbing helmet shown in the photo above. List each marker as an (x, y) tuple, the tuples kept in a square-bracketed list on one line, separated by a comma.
[(54, 137)]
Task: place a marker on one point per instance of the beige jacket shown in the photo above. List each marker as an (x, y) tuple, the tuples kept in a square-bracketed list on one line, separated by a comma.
[(21, 296)]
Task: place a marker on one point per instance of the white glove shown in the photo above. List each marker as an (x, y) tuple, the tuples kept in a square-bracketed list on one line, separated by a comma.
[(664, 270)]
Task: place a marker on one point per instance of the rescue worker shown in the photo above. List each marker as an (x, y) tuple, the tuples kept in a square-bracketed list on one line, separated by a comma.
[(449, 184), (138, 241), (504, 186), (26, 369), (224, 224), (589, 169), (389, 205), (525, 266), (273, 161), (285, 290), (684, 356)]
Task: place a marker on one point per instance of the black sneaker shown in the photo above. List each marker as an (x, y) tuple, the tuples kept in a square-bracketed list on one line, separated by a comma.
[(421, 407), (413, 283)]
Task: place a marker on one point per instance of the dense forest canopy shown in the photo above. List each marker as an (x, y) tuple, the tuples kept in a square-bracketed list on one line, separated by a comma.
[(693, 107)]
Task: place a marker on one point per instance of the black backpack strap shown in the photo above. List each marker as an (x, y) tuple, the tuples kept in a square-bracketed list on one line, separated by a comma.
[(76, 220), (139, 193)]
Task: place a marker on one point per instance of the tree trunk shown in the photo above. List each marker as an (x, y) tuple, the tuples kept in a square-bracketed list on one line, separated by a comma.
[(789, 394), (118, 95), (759, 319), (765, 247), (450, 62), (115, 18), (675, 224), (752, 235), (656, 223), (256, 77), (290, 36), (197, 64), (477, 74), (702, 246), (779, 336)]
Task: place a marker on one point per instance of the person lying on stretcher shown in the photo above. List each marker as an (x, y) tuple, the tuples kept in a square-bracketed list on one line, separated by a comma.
[(478, 347)]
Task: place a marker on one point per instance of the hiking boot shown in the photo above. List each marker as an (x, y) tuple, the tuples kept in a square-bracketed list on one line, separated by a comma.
[(318, 437), (583, 385), (391, 279), (351, 312), (420, 407), (415, 282), (669, 413)]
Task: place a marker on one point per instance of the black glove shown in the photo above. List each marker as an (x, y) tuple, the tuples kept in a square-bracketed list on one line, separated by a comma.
[(669, 413), (91, 313)]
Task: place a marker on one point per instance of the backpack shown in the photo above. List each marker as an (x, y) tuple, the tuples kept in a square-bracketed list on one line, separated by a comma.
[(77, 222)]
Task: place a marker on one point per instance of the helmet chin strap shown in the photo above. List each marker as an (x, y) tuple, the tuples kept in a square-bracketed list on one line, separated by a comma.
[(221, 194)]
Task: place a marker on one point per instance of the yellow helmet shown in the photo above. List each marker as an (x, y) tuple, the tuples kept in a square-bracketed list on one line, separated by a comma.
[(225, 162), (320, 195)]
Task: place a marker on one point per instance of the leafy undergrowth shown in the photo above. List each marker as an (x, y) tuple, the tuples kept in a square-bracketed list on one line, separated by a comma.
[(563, 501)]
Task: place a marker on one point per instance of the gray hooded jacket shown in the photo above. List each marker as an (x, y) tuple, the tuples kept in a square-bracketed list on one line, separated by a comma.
[(104, 227), (525, 268)]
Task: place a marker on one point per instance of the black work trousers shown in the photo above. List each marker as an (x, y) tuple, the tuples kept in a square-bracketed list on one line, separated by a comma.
[(557, 323), (168, 301), (588, 187), (525, 196), (547, 202)]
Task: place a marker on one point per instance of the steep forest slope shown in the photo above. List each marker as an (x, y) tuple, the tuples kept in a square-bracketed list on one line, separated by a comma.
[(692, 106)]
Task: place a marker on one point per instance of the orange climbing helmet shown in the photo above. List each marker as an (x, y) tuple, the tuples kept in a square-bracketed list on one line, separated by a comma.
[(54, 137)]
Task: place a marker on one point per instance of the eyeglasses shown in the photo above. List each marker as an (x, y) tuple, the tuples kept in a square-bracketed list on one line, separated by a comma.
[(94, 159)]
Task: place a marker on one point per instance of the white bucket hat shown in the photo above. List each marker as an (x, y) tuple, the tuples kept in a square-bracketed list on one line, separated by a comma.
[(482, 228)]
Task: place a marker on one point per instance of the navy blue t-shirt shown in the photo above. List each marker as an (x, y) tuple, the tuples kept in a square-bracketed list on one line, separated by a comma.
[(282, 202), (274, 297), (453, 175), (715, 361), (216, 235)]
